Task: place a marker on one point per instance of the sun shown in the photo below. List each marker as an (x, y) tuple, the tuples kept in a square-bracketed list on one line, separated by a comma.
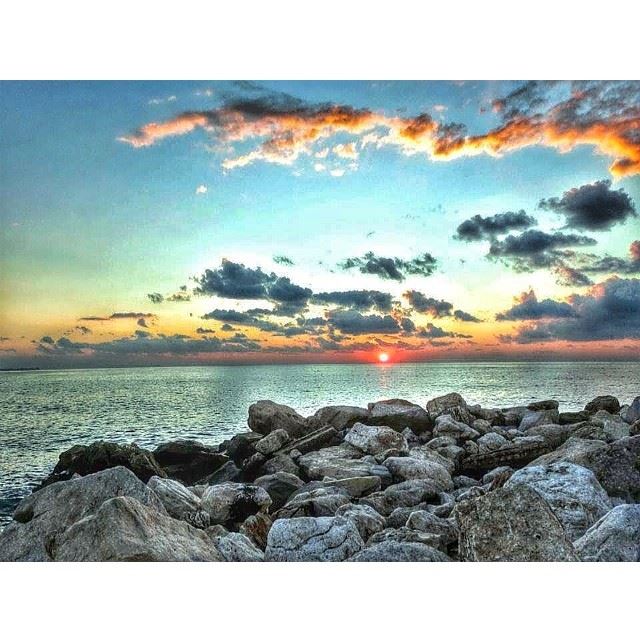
[(383, 357)]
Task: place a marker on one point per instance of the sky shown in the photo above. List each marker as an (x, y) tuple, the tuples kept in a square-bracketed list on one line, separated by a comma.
[(152, 223)]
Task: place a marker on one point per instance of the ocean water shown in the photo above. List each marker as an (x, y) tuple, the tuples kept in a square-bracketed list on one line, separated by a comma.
[(45, 412)]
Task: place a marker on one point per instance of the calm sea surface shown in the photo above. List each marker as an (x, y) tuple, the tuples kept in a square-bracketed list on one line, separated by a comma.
[(45, 412)]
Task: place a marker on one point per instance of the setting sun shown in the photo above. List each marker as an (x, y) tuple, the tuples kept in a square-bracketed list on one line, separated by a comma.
[(383, 357)]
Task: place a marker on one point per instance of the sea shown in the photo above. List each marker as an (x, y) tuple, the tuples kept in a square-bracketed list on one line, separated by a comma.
[(42, 413)]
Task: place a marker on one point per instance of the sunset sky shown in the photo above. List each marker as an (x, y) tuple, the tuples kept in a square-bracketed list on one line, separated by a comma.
[(241, 222)]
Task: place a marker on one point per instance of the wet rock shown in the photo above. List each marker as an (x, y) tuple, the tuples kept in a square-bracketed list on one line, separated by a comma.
[(572, 492), (279, 486), (179, 501), (404, 494), (339, 417), (399, 414), (40, 517), (327, 539), (614, 538), (281, 463), (232, 502), (407, 468), (511, 524), (392, 551), (272, 442), (124, 530), (188, 460), (366, 519), (323, 501), (603, 403), (374, 439), (543, 405), (266, 416)]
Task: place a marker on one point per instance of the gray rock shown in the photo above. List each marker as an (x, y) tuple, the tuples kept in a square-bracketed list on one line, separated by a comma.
[(398, 517), (614, 538), (572, 492), (339, 417), (328, 539), (356, 487), (445, 529), (279, 486), (543, 405), (512, 416), (438, 405), (266, 416), (404, 534), (180, 502), (280, 463), (460, 482), (606, 403), (552, 434), (340, 462), (188, 461), (272, 442), (374, 439), (237, 547), (399, 414), (124, 530), (481, 426), (228, 472), (491, 442), (404, 494), (459, 431), (428, 454), (256, 528), (366, 519), (573, 417), (316, 503), (43, 515), (234, 502), (511, 524), (613, 426), (503, 471), (536, 418), (633, 413), (392, 551), (412, 469)]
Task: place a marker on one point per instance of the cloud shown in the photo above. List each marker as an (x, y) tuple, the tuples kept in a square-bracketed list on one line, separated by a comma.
[(479, 228), (244, 318), (611, 264), (430, 306), (463, 316), (592, 207), (156, 298), (119, 315), (233, 280), (431, 332), (354, 323), (201, 189), (83, 330), (609, 311), (283, 260), (391, 268), (361, 300), (141, 322), (562, 116), (528, 307)]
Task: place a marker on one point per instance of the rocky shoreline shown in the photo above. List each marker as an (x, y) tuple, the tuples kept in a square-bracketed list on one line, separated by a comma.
[(392, 482)]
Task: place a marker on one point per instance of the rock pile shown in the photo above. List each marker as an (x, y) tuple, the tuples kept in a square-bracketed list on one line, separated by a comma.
[(392, 482)]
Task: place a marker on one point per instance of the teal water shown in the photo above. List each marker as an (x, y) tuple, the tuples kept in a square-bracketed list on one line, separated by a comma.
[(44, 412)]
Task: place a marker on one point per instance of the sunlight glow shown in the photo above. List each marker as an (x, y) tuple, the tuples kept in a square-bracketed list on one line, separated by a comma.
[(383, 357)]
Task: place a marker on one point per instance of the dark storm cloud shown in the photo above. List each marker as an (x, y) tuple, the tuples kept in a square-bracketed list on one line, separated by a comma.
[(284, 291), (487, 228), (283, 260), (360, 300), (234, 280), (355, 323), (241, 317), (611, 264), (609, 311), (391, 268), (431, 306), (527, 99), (592, 207), (463, 316), (528, 307)]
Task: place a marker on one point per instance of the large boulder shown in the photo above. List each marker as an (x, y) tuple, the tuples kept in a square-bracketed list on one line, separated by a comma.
[(124, 530), (392, 551), (633, 412), (40, 517), (367, 520), (610, 426), (614, 538), (445, 529), (241, 446), (460, 431), (234, 502), (188, 460), (180, 502), (572, 492), (399, 414), (340, 462), (427, 453), (279, 486), (603, 403), (339, 417), (407, 468), (439, 405), (266, 416), (237, 547), (511, 524), (102, 455), (272, 442), (404, 494), (615, 465), (327, 539), (374, 439), (323, 501), (535, 418)]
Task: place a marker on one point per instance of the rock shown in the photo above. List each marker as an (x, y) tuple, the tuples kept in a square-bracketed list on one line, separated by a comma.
[(606, 403), (492, 416), (613, 426), (412, 469), (180, 502), (460, 482), (237, 547), (279, 486), (552, 434), (491, 442), (438, 405), (188, 460), (319, 502), (445, 530), (340, 462), (228, 472), (391, 551), (404, 534), (428, 454), (501, 472), (614, 538), (375, 440), (512, 524), (322, 437), (327, 539), (399, 414), (536, 418), (266, 416), (356, 487), (339, 417), (404, 494), (512, 416), (234, 502), (256, 528), (272, 442), (516, 455), (124, 530), (616, 465), (633, 412), (366, 519), (398, 517), (634, 429), (573, 417), (40, 517), (459, 431), (572, 492), (481, 426), (281, 463), (241, 446), (101, 455), (543, 405)]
